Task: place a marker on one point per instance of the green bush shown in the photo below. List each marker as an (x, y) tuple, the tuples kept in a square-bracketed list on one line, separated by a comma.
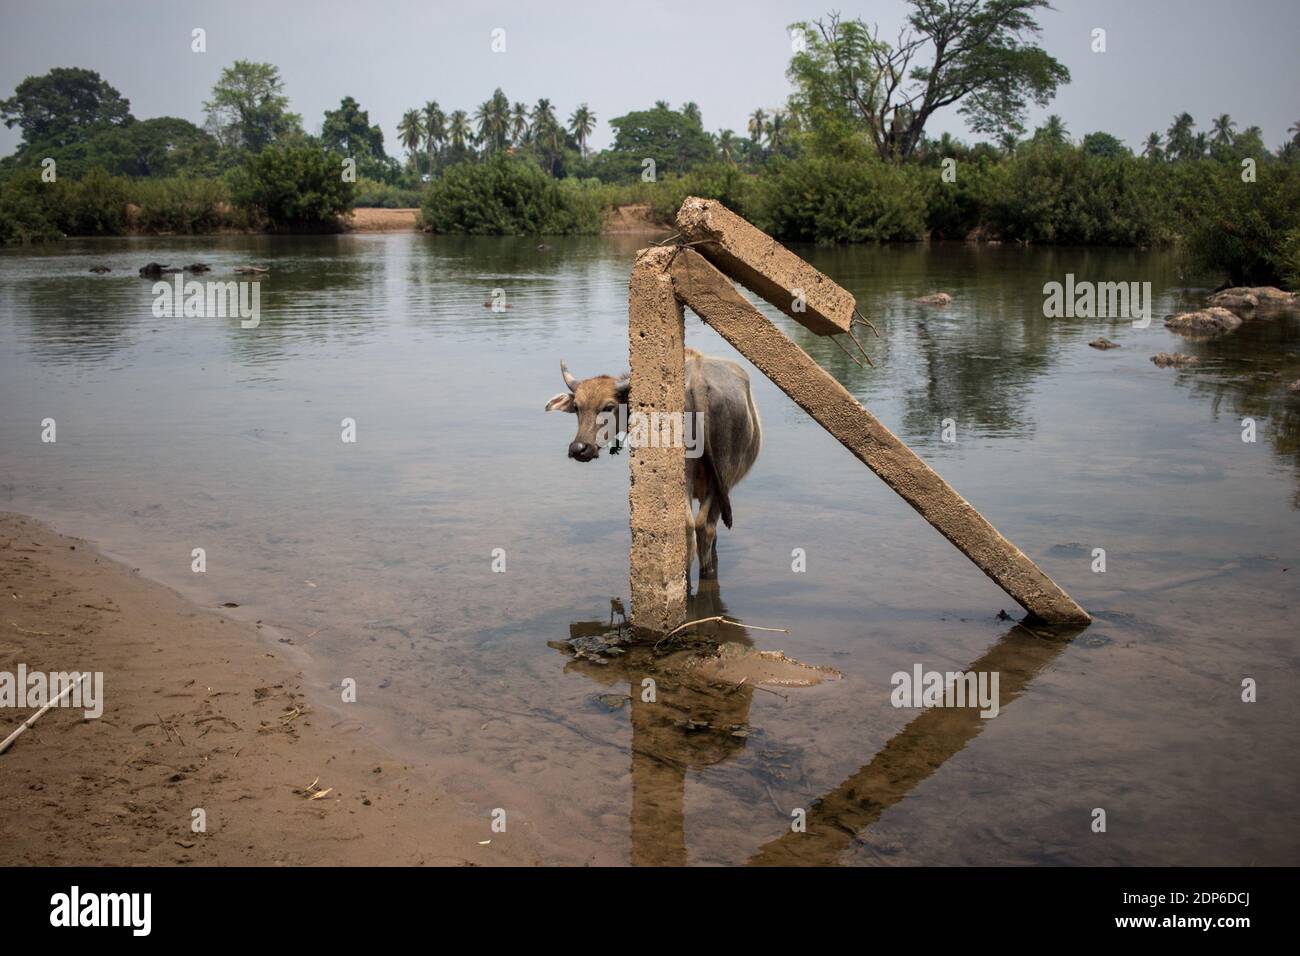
[(841, 199), (32, 210), (1246, 233), (189, 206), (720, 181), (508, 197), (371, 193), (1290, 258), (293, 187), (26, 213), (1059, 194)]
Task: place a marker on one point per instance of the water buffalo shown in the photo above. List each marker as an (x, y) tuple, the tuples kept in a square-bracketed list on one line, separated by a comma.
[(732, 437)]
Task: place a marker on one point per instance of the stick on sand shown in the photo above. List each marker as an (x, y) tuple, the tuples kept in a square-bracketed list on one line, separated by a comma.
[(22, 728)]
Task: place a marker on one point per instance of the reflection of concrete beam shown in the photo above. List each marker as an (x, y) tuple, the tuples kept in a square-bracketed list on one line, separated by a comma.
[(712, 296), (765, 267), (660, 510), (910, 756)]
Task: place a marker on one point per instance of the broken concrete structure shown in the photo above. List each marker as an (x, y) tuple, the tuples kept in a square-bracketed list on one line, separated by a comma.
[(666, 277), (765, 267), (715, 300)]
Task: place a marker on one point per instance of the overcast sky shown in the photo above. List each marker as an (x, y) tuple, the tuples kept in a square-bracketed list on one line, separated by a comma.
[(1163, 56)]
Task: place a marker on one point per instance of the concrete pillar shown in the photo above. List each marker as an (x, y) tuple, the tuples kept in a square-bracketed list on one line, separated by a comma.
[(711, 295), (660, 510)]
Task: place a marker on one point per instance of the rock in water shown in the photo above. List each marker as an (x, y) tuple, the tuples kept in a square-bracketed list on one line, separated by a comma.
[(1246, 298), (934, 298), (1174, 360), (1212, 321), (1103, 344)]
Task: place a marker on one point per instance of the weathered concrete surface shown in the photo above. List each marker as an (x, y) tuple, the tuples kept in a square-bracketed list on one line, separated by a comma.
[(711, 296), (764, 266), (660, 509)]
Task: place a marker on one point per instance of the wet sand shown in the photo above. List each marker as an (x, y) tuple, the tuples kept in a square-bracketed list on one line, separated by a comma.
[(199, 712)]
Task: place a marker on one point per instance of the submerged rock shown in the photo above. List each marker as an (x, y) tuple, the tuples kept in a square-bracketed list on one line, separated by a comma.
[(1174, 360), (738, 663), (934, 298), (100, 270), (1103, 344), (1294, 387), (1212, 321), (1245, 298)]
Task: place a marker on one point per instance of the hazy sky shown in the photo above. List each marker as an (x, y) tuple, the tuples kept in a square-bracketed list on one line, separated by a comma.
[(1163, 56)]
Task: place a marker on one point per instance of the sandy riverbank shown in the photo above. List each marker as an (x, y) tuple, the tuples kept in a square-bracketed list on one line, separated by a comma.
[(199, 712), (383, 220)]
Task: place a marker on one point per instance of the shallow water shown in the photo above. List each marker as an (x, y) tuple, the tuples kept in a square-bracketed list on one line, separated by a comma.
[(375, 558)]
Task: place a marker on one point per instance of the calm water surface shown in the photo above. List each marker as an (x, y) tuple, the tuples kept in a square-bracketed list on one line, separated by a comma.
[(375, 558)]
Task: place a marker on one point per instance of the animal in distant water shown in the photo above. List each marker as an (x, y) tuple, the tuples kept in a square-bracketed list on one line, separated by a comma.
[(934, 298), (100, 270), (153, 270), (732, 437)]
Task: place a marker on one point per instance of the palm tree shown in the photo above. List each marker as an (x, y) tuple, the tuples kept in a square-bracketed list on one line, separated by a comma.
[(581, 124), (1053, 131), (726, 145), (1295, 132), (543, 113), (662, 105), (434, 128), (776, 130), (1223, 126), (410, 131), (1009, 142), (493, 118), (1153, 149), (458, 129), (547, 133), (519, 124), (1181, 139), (757, 123), (691, 111), (483, 117)]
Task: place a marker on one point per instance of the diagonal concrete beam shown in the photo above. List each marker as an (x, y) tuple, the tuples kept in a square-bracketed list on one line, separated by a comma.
[(765, 267), (714, 299), (660, 509)]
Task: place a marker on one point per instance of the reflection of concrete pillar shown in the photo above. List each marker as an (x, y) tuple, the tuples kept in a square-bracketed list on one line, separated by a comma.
[(909, 757), (658, 793), (660, 509), (714, 299)]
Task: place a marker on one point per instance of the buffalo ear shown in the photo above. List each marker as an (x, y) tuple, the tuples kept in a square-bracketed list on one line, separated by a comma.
[(562, 403)]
